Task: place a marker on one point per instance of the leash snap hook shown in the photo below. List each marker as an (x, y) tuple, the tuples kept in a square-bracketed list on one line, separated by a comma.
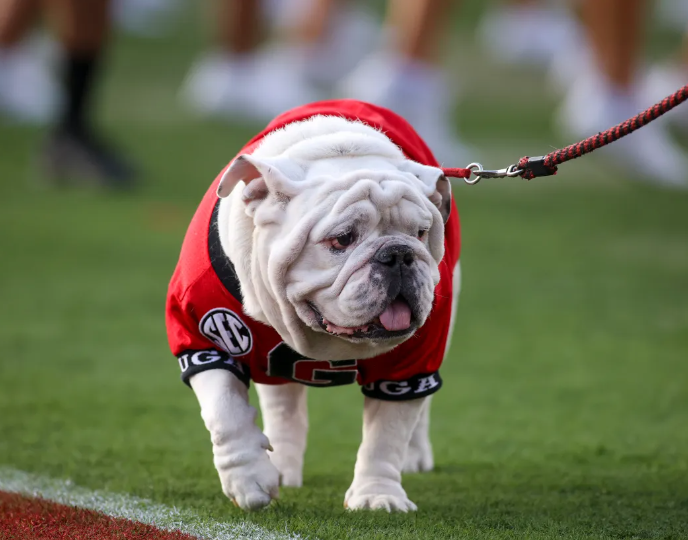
[(480, 173)]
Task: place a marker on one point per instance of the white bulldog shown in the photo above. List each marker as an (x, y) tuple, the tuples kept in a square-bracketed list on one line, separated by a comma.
[(336, 240)]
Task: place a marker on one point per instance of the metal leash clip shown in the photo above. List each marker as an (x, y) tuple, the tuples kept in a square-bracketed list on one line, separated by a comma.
[(480, 173)]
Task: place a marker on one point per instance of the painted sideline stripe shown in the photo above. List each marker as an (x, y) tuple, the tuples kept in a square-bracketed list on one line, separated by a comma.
[(133, 508), (29, 518)]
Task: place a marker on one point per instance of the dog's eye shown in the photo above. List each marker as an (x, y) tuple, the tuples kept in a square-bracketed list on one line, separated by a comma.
[(343, 241), (421, 233)]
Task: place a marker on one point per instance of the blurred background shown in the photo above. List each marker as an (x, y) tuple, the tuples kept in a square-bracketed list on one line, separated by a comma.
[(458, 71), (571, 346)]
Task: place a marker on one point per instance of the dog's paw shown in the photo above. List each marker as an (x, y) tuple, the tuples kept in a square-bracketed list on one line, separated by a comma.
[(380, 502), (378, 494), (418, 459), (252, 484)]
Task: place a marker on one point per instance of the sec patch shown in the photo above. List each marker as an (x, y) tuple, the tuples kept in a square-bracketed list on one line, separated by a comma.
[(226, 330)]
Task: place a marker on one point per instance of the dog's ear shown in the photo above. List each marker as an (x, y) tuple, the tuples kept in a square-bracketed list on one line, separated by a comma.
[(442, 197), (437, 186), (261, 176)]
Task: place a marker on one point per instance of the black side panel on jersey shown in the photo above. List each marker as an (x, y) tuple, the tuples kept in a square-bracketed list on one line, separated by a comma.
[(192, 362), (416, 387), (223, 266)]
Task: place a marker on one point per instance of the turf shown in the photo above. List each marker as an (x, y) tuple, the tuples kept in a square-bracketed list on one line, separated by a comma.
[(565, 407)]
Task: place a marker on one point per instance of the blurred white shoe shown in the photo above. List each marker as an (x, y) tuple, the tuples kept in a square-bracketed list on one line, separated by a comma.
[(208, 85), (650, 153), (28, 91), (416, 91), (254, 87), (566, 70), (662, 81), (351, 33), (532, 35)]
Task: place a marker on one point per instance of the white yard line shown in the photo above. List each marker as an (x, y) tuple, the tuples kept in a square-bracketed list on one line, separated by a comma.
[(133, 508)]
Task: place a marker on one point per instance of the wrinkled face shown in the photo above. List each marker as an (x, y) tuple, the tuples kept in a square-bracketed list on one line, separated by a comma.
[(340, 255), (366, 271)]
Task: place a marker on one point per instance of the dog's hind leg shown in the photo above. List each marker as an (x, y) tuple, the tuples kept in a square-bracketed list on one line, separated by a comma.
[(285, 422), (419, 456)]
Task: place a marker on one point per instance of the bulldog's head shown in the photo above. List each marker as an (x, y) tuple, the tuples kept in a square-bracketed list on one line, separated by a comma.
[(336, 237)]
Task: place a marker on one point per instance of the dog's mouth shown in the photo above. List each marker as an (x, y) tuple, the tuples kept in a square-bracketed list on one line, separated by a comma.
[(396, 320)]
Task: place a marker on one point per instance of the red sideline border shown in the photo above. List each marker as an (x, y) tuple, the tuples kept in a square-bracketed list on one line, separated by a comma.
[(27, 518)]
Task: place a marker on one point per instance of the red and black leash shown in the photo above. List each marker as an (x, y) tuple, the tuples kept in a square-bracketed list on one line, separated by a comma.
[(533, 167)]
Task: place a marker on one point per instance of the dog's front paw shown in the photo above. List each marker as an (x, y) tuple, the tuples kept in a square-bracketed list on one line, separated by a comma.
[(378, 494), (251, 483), (418, 458)]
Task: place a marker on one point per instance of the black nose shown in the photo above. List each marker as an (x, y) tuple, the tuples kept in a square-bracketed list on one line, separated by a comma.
[(393, 256)]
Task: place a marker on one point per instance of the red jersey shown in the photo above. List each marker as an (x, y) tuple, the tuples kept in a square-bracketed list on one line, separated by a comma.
[(206, 325)]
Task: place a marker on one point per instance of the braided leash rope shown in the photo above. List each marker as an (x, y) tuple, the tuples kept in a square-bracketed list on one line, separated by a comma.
[(533, 167)]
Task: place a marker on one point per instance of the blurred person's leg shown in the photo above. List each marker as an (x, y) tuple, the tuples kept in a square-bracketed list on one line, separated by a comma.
[(75, 150), (407, 77), (530, 32), (82, 27), (331, 36), (239, 26), (608, 92), (616, 31), (17, 17), (421, 27), (240, 79), (27, 90), (213, 85), (315, 21)]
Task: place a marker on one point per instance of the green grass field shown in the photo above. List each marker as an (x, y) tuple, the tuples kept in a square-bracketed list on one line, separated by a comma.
[(565, 407)]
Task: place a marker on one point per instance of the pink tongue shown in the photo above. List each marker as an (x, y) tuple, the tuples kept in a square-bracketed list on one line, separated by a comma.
[(397, 316)]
